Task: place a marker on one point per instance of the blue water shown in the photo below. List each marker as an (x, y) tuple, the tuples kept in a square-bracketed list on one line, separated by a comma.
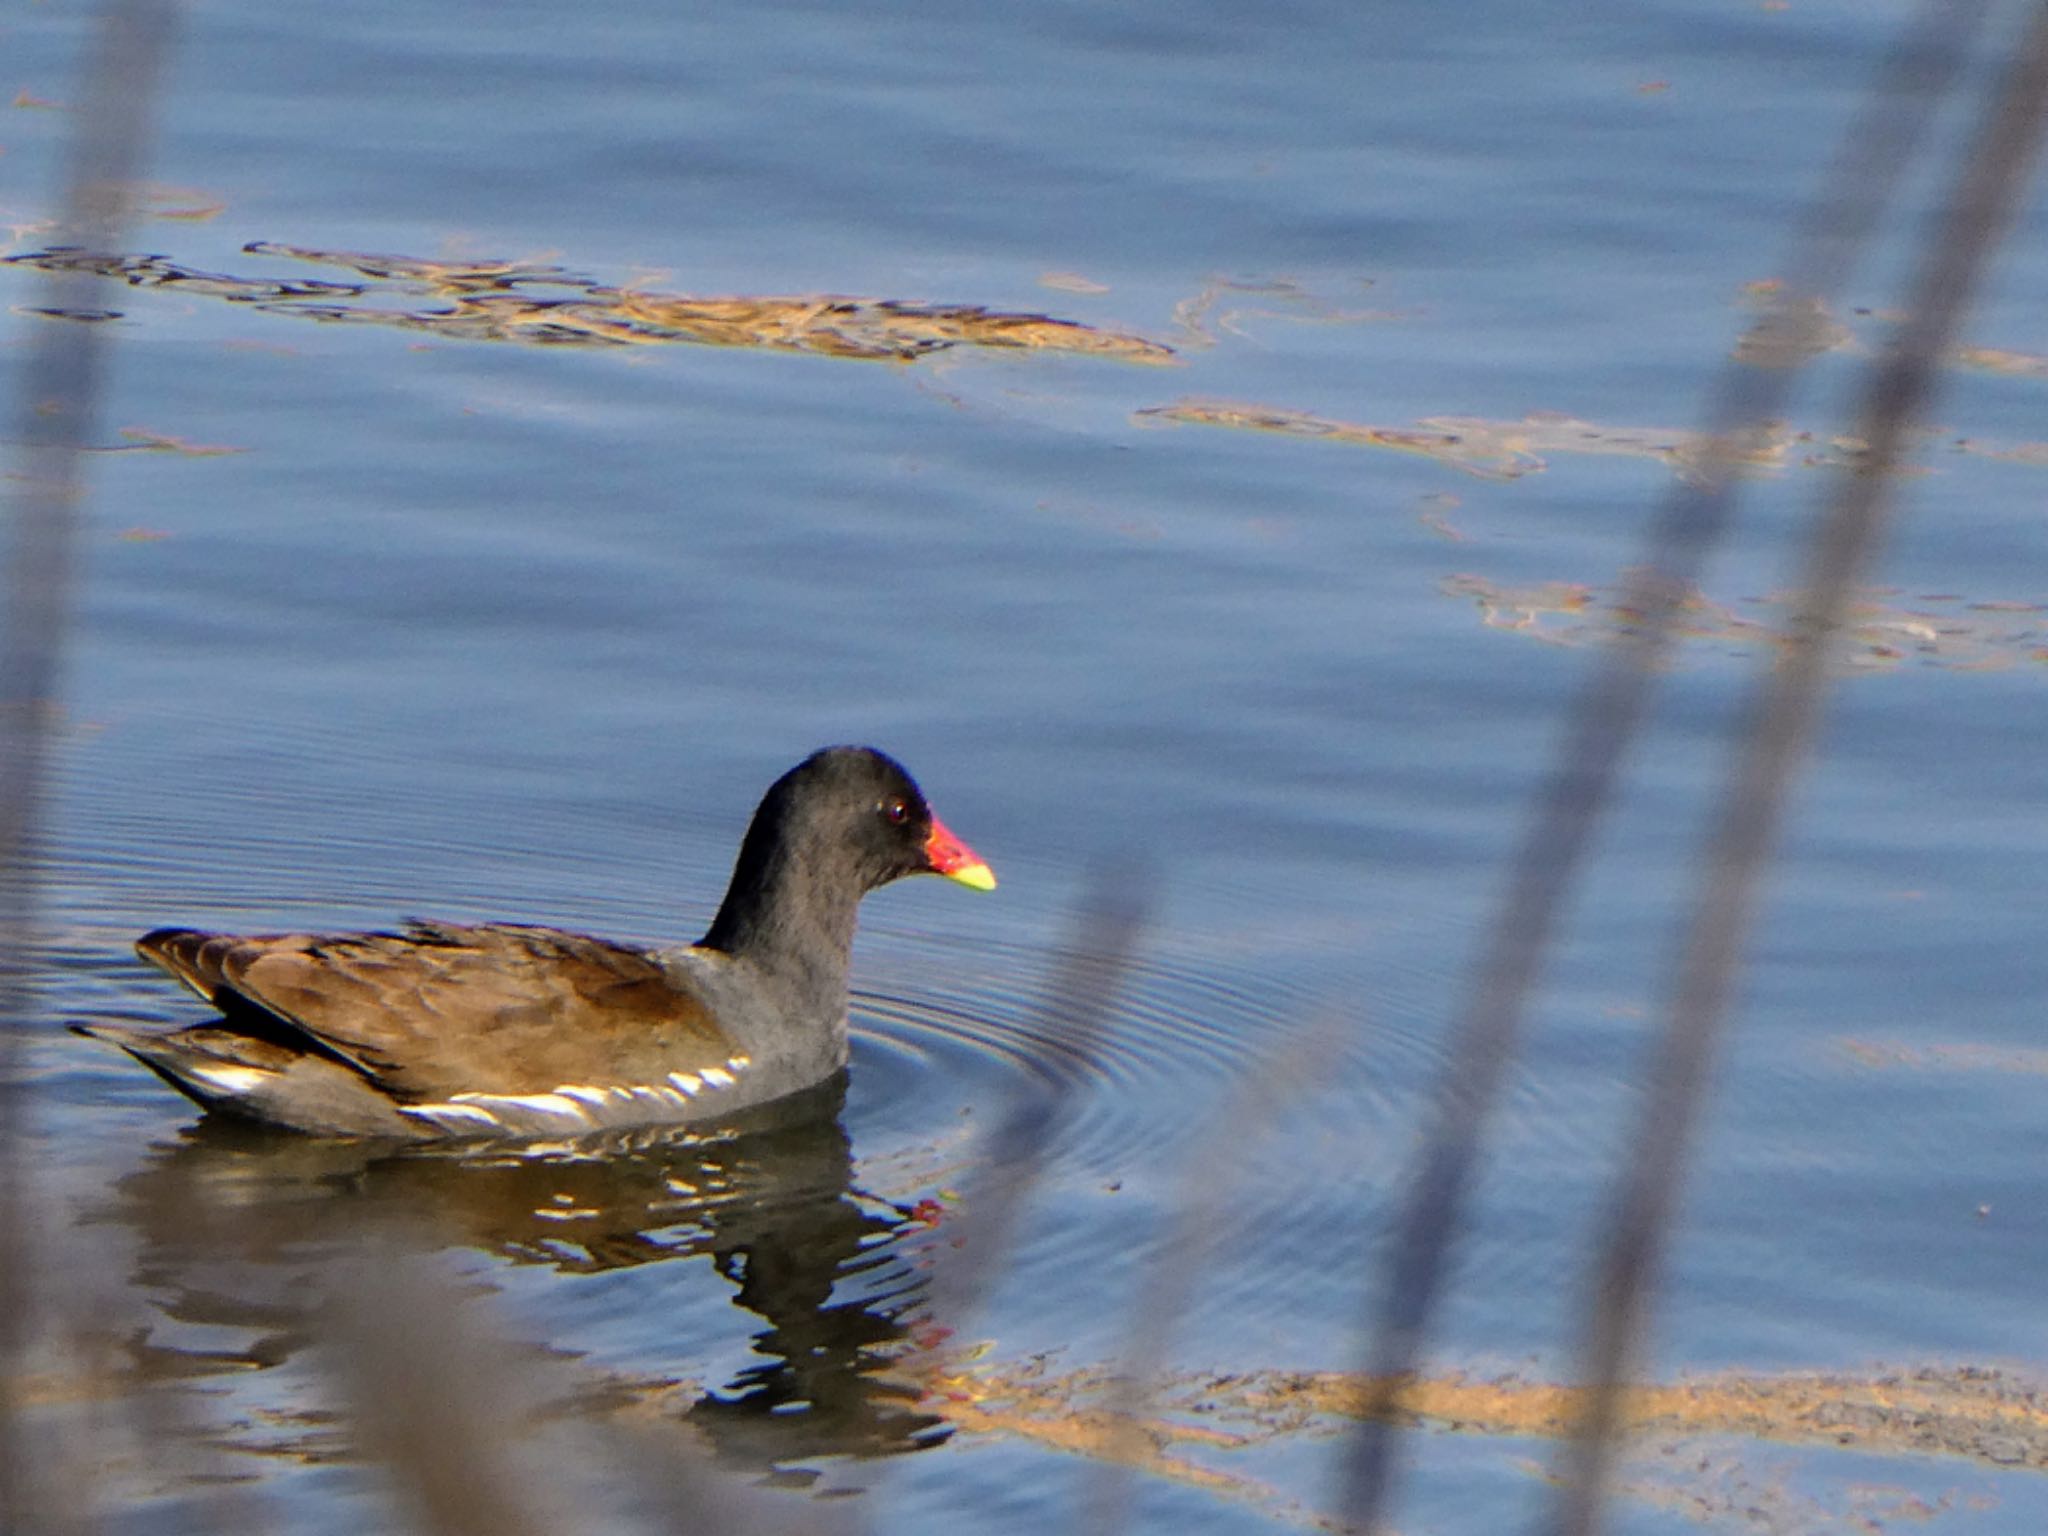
[(500, 628)]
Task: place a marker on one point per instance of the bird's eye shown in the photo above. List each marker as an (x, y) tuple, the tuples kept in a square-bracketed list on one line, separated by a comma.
[(896, 809)]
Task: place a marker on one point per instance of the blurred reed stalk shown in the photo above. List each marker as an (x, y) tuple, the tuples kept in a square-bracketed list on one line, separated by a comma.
[(1213, 1178), (1916, 78), (60, 398), (1918, 75), (1078, 1005), (1993, 177)]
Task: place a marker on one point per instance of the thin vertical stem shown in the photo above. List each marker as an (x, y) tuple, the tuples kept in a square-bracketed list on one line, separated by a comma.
[(1603, 722), (1995, 175), (60, 398)]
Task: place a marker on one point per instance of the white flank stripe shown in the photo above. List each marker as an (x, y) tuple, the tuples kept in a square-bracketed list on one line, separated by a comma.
[(233, 1079), (451, 1117), (531, 1103), (582, 1103)]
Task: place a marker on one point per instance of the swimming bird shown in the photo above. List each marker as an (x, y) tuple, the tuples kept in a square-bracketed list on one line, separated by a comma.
[(508, 1030)]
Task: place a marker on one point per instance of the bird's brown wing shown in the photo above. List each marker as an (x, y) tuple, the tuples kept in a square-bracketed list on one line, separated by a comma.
[(441, 1009), (194, 958)]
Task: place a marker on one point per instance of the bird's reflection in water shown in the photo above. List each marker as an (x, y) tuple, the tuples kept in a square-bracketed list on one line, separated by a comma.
[(235, 1224)]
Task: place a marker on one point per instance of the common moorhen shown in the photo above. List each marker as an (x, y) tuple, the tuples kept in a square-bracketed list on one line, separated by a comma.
[(501, 1029)]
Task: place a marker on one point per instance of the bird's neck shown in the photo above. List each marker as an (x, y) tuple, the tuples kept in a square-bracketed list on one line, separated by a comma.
[(789, 919)]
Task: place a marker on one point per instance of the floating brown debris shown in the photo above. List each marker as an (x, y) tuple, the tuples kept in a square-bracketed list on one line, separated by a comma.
[(1942, 631), (1956, 1056), (1488, 461), (2034, 455), (1071, 282), (1434, 506), (1029, 1402), (1789, 337), (1199, 1422), (142, 440), (1983, 1415), (1204, 318), (1506, 450), (2031, 365), (552, 305), (191, 213), (1790, 333), (187, 205), (1504, 607)]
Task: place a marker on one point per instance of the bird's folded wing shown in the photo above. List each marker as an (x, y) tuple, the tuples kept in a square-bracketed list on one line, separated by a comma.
[(441, 1009)]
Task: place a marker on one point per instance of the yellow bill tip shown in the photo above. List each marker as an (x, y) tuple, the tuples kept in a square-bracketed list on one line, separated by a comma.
[(976, 876)]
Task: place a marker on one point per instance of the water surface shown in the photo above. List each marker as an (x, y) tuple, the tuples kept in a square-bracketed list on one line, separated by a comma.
[(489, 511)]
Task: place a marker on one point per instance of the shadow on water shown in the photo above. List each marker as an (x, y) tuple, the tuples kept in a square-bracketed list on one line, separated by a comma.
[(247, 1230)]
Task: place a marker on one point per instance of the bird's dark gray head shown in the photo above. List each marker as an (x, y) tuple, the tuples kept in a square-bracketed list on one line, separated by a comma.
[(842, 822)]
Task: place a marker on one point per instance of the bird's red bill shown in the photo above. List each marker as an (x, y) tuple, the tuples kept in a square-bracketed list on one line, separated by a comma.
[(955, 860)]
